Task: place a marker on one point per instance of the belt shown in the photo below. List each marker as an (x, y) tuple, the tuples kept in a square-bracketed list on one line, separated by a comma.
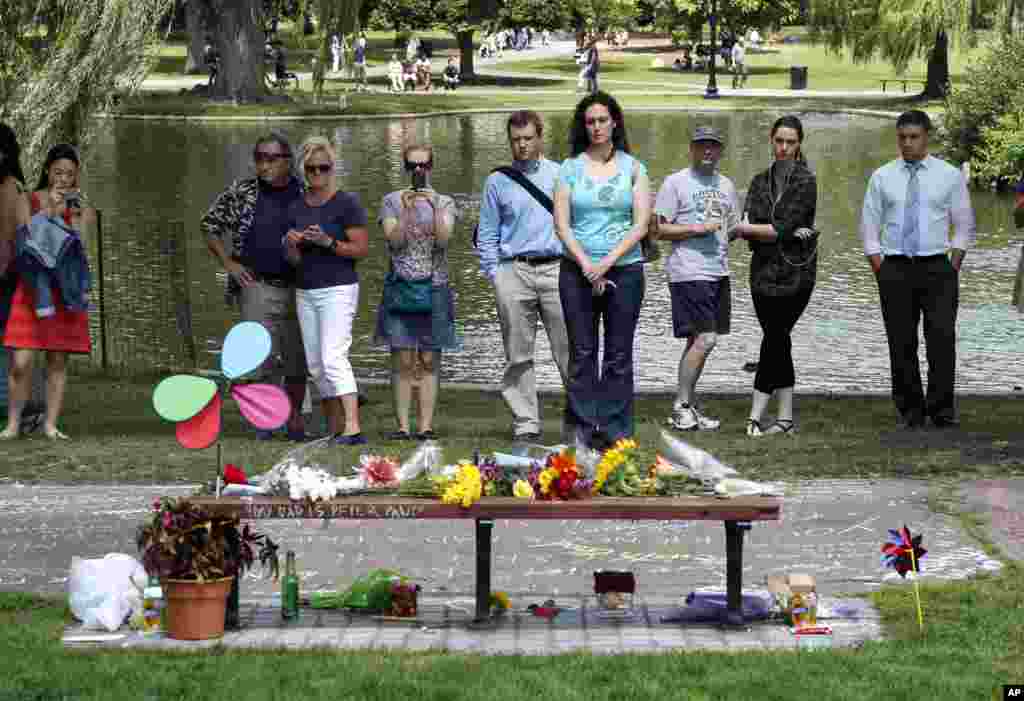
[(274, 280), (916, 259), (536, 260)]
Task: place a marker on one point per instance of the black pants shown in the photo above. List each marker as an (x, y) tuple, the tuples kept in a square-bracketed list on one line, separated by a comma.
[(601, 404), (910, 289), (778, 316), (592, 83)]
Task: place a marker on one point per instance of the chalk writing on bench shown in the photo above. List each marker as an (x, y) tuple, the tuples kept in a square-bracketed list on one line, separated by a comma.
[(330, 510)]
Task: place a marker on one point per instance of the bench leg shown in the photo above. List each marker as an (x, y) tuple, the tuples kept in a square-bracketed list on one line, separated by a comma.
[(232, 621), (484, 527), (734, 571)]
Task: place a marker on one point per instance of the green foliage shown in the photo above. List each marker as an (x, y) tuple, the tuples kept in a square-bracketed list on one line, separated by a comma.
[(402, 15), (983, 116), (537, 14)]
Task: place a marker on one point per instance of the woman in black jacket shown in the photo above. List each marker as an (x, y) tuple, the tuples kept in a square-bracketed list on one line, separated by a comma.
[(779, 226)]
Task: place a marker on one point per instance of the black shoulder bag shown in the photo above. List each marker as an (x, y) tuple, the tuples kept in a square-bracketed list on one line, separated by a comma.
[(538, 194)]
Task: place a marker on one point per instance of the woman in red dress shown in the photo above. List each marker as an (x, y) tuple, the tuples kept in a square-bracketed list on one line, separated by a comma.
[(64, 332)]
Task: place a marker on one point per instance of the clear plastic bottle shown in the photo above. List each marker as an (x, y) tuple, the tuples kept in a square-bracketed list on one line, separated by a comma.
[(152, 606)]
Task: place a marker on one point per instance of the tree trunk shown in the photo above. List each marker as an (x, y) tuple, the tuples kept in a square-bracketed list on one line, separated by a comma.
[(196, 31), (240, 38), (937, 79), (466, 70)]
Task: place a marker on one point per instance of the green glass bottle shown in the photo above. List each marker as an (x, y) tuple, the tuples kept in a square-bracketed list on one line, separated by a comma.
[(290, 589)]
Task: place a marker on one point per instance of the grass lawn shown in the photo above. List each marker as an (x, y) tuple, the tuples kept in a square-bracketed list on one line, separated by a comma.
[(852, 437), (826, 71)]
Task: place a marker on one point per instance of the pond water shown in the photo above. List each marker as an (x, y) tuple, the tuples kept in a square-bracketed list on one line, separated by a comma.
[(154, 180)]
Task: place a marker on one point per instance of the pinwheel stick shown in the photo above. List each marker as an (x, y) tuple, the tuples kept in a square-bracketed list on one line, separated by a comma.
[(220, 466), (917, 591)]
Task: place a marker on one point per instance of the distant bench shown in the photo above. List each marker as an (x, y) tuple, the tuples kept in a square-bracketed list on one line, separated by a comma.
[(904, 81), (737, 513)]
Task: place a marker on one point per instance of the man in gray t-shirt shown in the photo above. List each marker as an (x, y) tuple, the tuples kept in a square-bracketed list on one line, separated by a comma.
[(696, 207)]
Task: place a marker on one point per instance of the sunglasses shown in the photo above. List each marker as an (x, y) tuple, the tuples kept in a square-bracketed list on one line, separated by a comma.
[(414, 165), (264, 157), (323, 169)]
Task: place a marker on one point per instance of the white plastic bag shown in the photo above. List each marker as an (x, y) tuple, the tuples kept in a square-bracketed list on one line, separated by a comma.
[(734, 487), (697, 463), (426, 458), (101, 593)]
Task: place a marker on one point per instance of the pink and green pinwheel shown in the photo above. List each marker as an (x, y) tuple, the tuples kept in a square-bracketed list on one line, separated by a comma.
[(194, 402)]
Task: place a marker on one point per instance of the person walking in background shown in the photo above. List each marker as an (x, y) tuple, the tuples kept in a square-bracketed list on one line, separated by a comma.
[(739, 65), (593, 65), (359, 62), (779, 226), (416, 317), (326, 236), (521, 255), (49, 309), (909, 206), (243, 230), (335, 53), (602, 209), (695, 208)]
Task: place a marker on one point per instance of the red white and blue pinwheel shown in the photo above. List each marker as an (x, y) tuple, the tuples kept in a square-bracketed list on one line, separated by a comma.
[(897, 550), (194, 403)]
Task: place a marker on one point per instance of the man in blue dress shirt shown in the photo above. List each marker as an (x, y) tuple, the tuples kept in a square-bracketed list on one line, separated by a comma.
[(910, 206), (520, 254)]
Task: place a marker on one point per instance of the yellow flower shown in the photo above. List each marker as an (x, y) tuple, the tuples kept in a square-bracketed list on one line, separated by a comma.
[(500, 600), (523, 490), (546, 478), (453, 494)]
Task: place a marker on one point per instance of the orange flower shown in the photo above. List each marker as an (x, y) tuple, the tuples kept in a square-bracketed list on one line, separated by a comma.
[(562, 462)]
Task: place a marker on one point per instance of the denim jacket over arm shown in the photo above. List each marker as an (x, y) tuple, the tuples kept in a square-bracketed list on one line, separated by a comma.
[(51, 253)]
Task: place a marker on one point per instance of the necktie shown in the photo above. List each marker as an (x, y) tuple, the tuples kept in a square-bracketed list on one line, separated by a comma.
[(911, 239)]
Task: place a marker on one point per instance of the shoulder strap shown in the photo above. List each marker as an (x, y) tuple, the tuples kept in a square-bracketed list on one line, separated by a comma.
[(538, 194)]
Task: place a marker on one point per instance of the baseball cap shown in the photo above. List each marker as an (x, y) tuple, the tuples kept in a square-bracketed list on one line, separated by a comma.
[(706, 134)]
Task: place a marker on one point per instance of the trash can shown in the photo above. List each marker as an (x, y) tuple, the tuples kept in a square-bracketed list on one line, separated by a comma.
[(797, 77)]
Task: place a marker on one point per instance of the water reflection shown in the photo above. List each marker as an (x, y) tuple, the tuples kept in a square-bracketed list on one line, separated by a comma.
[(154, 181)]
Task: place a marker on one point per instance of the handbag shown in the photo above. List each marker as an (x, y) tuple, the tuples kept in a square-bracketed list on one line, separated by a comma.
[(409, 296)]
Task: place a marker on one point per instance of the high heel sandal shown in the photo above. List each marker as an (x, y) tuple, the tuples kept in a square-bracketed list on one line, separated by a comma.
[(754, 427), (781, 426)]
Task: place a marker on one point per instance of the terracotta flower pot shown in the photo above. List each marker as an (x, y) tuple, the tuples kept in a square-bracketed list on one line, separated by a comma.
[(195, 610)]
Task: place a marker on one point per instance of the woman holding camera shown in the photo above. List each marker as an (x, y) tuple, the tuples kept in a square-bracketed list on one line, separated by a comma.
[(326, 235), (49, 311), (779, 227), (416, 318)]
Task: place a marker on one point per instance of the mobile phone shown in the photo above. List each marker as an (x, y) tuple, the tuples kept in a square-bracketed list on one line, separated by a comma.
[(73, 200), (419, 180)]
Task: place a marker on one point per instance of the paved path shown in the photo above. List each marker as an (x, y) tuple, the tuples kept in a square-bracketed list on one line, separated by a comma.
[(830, 528)]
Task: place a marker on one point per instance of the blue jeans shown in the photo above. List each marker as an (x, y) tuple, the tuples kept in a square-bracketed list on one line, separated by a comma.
[(601, 404)]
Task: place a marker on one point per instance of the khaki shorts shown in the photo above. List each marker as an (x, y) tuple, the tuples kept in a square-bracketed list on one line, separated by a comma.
[(274, 307)]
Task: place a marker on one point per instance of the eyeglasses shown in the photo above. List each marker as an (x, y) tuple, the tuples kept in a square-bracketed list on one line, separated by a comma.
[(323, 169), (415, 165), (264, 157)]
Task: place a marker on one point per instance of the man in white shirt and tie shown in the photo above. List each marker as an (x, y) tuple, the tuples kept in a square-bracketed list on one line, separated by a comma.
[(909, 208)]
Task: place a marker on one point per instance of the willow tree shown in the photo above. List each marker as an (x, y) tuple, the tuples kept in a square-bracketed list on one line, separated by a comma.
[(901, 30), (341, 17), (102, 49)]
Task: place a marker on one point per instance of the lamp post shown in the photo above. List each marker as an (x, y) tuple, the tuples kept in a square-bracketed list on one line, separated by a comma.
[(711, 93)]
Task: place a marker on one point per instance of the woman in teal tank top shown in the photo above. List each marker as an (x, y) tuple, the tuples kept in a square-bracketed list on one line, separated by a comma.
[(602, 208)]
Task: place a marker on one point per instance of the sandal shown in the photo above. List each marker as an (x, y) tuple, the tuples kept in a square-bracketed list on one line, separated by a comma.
[(427, 435), (398, 436), (754, 428), (5, 436), (57, 435), (781, 426)]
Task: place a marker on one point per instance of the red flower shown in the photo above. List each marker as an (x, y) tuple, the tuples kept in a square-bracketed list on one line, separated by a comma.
[(234, 475), (565, 483)]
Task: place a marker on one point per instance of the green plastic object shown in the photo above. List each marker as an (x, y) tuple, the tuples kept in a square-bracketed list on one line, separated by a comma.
[(180, 397), (372, 591)]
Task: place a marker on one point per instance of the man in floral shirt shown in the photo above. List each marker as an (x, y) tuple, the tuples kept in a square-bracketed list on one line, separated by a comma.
[(244, 228)]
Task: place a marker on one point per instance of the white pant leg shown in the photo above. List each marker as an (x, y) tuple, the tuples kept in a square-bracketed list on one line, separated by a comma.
[(333, 309), (305, 305)]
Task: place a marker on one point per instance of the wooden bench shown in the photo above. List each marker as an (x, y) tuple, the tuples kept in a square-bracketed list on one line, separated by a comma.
[(736, 513), (904, 81)]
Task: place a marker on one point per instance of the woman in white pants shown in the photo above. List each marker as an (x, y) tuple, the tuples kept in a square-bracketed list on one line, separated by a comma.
[(326, 234)]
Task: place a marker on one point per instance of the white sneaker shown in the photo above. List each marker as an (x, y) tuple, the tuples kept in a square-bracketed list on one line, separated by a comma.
[(686, 417)]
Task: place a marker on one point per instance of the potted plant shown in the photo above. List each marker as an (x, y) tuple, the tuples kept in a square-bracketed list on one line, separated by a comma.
[(197, 555)]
